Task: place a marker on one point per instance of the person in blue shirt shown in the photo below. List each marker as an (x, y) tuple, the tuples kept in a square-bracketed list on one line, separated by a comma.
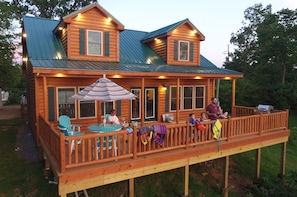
[(193, 119)]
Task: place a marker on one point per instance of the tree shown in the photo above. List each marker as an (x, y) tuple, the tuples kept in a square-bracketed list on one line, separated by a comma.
[(7, 71), (10, 72), (49, 9), (266, 52)]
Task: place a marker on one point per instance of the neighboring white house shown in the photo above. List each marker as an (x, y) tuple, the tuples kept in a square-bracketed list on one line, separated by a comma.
[(5, 95)]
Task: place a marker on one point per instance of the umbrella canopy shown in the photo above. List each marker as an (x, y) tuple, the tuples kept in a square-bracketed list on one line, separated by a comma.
[(104, 90)]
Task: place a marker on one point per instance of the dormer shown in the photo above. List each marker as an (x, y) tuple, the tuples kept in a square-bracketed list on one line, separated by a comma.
[(177, 44), (90, 34)]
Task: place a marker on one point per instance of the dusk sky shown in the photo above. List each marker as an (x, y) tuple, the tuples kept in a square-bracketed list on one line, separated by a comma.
[(215, 19)]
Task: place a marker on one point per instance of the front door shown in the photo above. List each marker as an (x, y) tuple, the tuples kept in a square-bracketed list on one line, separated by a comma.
[(149, 101)]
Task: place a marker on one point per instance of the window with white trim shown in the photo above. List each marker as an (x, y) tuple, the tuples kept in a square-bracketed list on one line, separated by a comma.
[(66, 105), (191, 97), (199, 97), (183, 50), (94, 42), (173, 98), (106, 107), (187, 97), (87, 108), (136, 104)]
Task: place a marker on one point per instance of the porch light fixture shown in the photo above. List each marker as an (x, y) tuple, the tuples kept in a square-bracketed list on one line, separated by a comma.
[(164, 87), (227, 78), (25, 59), (60, 75), (198, 77), (117, 76), (194, 31), (60, 28), (24, 35), (162, 77), (108, 19)]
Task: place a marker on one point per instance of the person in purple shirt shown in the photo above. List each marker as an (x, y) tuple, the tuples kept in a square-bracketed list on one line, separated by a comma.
[(214, 111)]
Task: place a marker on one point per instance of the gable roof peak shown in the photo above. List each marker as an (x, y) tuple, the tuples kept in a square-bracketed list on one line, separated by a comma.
[(167, 29), (68, 17)]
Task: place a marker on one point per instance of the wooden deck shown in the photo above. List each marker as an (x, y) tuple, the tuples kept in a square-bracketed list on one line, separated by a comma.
[(86, 167)]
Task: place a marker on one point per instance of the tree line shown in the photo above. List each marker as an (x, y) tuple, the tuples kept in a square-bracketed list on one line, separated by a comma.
[(266, 52)]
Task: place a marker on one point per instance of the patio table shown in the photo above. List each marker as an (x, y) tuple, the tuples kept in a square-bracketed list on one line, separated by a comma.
[(101, 128)]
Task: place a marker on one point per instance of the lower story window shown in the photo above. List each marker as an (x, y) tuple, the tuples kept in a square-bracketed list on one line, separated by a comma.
[(191, 97), (136, 104), (87, 108), (106, 107), (66, 105)]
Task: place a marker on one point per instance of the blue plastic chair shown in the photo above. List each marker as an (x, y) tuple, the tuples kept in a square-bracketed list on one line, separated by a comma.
[(68, 129), (106, 117)]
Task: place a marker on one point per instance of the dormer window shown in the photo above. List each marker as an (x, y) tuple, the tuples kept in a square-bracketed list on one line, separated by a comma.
[(94, 43), (183, 51)]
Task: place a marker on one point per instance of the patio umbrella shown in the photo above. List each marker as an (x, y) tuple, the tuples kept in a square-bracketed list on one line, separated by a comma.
[(104, 90)]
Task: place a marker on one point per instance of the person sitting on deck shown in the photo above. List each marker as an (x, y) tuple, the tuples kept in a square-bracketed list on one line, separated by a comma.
[(214, 111), (196, 122), (203, 117), (112, 118)]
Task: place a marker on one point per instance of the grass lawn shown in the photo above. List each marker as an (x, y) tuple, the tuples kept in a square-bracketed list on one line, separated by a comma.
[(19, 177)]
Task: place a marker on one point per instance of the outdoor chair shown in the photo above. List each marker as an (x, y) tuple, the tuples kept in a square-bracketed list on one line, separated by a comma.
[(68, 129), (106, 116), (64, 121)]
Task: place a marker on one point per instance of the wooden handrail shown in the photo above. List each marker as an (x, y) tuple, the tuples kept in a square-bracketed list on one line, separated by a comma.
[(74, 151)]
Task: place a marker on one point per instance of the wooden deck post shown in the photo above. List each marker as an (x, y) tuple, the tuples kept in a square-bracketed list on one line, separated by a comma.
[(283, 162), (131, 187), (177, 99), (142, 104), (233, 97), (258, 163), (226, 190), (186, 177)]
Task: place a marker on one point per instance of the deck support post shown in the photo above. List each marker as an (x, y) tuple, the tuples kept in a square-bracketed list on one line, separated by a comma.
[(131, 187), (258, 163), (283, 162), (186, 177), (226, 191)]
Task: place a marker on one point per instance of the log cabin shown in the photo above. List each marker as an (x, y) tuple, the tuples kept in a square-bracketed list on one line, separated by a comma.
[(163, 68)]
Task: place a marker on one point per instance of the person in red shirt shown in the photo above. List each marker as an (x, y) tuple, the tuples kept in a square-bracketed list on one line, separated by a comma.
[(214, 111)]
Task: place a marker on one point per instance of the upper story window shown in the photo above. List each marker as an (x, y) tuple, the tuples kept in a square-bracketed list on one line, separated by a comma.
[(183, 51), (94, 42)]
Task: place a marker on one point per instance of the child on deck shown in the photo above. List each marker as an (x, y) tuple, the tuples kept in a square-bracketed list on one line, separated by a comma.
[(203, 117), (196, 122)]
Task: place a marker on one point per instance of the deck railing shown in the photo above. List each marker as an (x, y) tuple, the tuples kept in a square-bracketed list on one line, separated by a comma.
[(74, 151)]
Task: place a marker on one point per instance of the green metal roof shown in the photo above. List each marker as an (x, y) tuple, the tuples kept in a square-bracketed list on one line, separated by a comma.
[(167, 29), (128, 67), (40, 40), (132, 50), (43, 49)]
